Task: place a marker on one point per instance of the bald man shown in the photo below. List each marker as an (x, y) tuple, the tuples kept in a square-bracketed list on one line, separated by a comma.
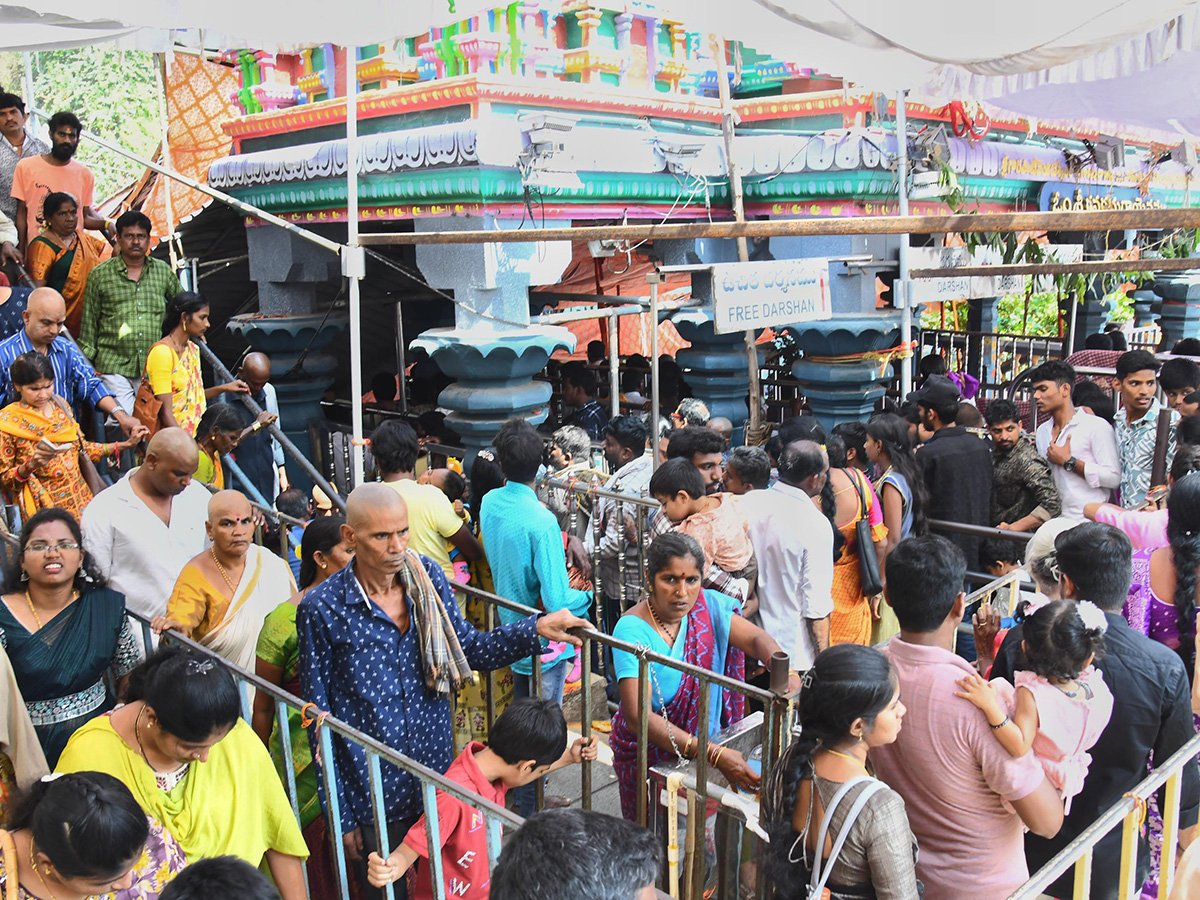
[(362, 659), (144, 529), (74, 377), (258, 454), (222, 596)]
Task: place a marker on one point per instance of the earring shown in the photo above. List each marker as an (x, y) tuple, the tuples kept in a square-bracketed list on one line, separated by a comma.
[(323, 566), (24, 575)]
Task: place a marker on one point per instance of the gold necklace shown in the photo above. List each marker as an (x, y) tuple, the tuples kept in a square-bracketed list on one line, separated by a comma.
[(33, 609), (33, 862), (659, 625), (853, 759), (220, 568)]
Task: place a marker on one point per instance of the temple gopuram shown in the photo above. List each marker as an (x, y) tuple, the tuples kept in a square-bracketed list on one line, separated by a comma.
[(544, 114)]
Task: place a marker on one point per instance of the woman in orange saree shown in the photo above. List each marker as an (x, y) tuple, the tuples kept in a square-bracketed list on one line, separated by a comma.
[(62, 255)]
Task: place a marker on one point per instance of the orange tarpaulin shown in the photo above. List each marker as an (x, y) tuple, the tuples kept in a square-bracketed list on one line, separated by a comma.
[(198, 102)]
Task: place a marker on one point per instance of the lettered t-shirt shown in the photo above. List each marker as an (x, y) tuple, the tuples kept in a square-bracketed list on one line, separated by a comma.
[(463, 835), (34, 178)]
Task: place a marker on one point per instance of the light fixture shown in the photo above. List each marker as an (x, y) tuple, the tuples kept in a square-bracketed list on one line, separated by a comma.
[(1184, 154), (678, 154), (1108, 153)]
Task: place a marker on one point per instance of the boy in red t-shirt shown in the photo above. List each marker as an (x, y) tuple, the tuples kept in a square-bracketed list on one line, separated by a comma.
[(527, 742)]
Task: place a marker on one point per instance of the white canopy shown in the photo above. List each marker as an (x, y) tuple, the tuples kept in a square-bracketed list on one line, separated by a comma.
[(1122, 62)]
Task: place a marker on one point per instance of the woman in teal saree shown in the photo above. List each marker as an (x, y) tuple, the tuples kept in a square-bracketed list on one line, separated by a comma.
[(63, 631)]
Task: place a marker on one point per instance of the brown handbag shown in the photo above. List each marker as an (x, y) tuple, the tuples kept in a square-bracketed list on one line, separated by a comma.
[(146, 406)]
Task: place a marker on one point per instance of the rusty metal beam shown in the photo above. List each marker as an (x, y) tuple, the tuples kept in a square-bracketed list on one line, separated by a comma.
[(1100, 220), (1082, 268)]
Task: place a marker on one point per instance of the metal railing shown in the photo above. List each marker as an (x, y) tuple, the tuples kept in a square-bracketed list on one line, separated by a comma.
[(995, 359), (1127, 813)]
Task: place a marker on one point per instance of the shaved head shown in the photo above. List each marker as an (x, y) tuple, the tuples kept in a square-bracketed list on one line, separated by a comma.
[(366, 500), (174, 445), (256, 369), (44, 316), (231, 503), (721, 426)]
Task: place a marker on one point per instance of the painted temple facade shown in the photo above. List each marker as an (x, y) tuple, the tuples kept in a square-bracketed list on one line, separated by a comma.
[(570, 113)]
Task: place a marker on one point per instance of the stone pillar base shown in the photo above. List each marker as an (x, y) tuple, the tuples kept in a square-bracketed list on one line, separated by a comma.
[(716, 367), (1180, 294), (283, 339), (494, 377)]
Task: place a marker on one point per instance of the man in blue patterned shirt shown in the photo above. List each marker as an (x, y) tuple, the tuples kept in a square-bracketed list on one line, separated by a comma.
[(579, 389), (362, 660)]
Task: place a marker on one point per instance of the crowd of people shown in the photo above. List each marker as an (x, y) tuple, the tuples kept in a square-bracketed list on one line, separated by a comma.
[(943, 751)]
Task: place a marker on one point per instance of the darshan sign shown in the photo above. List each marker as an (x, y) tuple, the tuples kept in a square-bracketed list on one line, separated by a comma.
[(769, 293)]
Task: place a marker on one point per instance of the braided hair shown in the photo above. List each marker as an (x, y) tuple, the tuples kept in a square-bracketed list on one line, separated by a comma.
[(1183, 535), (87, 823), (847, 682)]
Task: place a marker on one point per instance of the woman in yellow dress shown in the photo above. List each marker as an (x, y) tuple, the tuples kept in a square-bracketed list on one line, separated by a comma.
[(40, 443), (173, 365), (194, 766), (63, 254)]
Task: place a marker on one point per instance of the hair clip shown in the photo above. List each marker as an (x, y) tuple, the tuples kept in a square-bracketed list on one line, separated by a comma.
[(1093, 617), (53, 776), (199, 666), (486, 454), (806, 680)]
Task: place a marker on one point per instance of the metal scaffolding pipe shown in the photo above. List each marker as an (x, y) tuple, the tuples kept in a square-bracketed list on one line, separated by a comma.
[(1097, 220), (1084, 267), (292, 450)]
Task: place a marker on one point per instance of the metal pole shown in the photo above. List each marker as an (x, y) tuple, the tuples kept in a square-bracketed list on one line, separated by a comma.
[(614, 363), (900, 286), (401, 360), (353, 271), (717, 46), (160, 83), (244, 208), (30, 99), (1075, 300), (654, 279)]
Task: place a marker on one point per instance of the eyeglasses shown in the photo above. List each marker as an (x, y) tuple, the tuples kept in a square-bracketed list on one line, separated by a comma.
[(43, 546)]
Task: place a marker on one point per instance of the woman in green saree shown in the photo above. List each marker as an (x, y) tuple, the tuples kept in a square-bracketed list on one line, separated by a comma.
[(63, 630)]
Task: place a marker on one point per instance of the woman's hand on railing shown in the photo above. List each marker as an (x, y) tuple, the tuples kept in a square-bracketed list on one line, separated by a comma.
[(159, 624), (554, 626), (237, 386), (733, 766)]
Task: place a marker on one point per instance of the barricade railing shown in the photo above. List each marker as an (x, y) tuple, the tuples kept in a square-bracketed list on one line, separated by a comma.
[(776, 729), (1128, 813), (495, 817)]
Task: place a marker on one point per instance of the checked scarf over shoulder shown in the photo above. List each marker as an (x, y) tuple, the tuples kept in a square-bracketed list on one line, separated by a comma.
[(442, 657)]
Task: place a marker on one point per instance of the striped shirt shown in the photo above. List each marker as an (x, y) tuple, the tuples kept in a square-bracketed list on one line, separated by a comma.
[(74, 379), (122, 319)]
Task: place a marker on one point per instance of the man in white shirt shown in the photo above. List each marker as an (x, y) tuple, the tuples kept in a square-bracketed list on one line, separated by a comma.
[(793, 543), (144, 529), (1081, 448)]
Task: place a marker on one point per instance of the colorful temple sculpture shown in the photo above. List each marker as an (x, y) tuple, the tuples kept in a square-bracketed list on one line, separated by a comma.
[(573, 113)]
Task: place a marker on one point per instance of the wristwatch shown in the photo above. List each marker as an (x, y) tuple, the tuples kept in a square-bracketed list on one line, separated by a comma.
[(1070, 464)]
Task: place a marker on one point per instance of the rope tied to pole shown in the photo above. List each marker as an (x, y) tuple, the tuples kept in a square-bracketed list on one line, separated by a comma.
[(883, 357)]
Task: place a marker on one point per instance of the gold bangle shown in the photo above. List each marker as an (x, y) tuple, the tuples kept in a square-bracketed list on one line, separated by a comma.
[(687, 748)]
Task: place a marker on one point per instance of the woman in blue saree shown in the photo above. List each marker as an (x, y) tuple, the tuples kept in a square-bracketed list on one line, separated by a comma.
[(702, 628), (63, 630)]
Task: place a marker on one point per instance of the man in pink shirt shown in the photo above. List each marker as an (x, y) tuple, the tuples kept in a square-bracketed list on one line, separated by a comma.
[(966, 797)]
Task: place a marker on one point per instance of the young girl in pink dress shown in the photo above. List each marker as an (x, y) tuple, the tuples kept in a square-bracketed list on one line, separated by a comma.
[(1060, 704)]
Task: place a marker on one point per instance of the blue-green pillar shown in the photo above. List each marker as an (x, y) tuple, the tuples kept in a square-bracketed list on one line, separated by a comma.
[(1180, 294)]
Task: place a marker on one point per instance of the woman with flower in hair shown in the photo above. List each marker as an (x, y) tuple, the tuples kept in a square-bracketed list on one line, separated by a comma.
[(194, 766)]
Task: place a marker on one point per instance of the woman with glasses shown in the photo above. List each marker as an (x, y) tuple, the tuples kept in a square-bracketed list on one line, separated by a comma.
[(63, 630)]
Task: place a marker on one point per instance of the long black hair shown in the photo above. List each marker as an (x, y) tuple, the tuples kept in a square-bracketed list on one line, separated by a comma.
[(486, 475), (1183, 534), (1058, 643), (892, 432), (322, 535), (30, 368), (86, 578), (184, 303), (848, 682), (192, 694), (219, 417), (87, 823)]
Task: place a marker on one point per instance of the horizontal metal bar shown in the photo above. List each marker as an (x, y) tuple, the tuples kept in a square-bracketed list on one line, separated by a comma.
[(700, 673), (1098, 220), (1082, 268), (979, 530), (582, 488)]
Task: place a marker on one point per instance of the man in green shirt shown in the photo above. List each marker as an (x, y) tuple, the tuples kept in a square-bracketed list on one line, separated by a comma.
[(123, 309)]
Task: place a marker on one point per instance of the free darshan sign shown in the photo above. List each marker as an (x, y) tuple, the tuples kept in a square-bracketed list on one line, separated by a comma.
[(769, 293), (938, 290)]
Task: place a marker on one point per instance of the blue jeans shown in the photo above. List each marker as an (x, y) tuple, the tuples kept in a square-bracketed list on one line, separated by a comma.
[(554, 679)]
